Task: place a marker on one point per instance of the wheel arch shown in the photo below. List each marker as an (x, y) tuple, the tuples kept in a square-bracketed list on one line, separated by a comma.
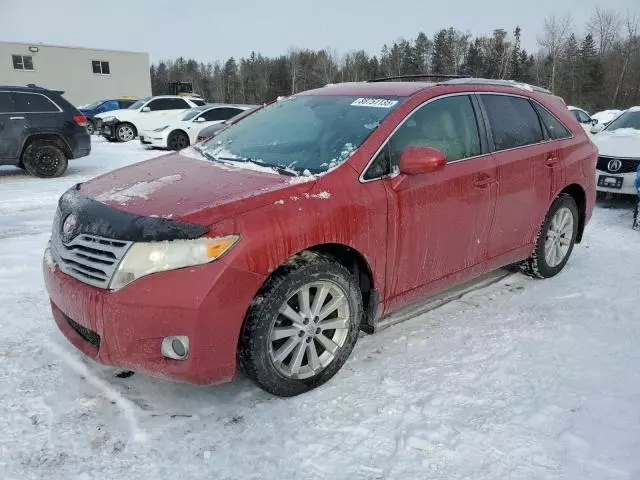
[(54, 138), (578, 194)]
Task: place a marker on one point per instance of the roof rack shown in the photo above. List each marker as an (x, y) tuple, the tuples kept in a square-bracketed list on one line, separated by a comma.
[(497, 82), (418, 77)]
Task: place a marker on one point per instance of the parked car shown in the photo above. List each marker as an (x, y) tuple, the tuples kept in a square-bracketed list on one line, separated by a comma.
[(40, 131), (208, 132), (619, 157), (103, 106), (604, 118), (183, 131), (123, 125), (276, 241), (583, 118)]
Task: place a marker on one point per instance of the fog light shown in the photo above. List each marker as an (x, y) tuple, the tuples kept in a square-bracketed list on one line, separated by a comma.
[(176, 348)]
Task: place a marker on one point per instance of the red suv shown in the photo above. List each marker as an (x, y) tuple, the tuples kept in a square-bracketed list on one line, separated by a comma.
[(272, 244)]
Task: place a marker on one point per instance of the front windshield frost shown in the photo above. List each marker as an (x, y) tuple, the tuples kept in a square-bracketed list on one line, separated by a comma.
[(308, 132), (629, 119)]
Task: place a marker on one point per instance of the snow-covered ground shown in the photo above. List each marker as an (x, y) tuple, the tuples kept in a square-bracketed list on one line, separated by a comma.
[(522, 380)]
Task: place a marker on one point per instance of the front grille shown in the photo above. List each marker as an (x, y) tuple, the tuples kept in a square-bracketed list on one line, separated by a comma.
[(628, 165), (88, 335), (88, 258)]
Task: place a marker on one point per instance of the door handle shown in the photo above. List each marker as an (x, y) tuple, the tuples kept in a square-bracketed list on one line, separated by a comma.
[(483, 181), (551, 161), (16, 118)]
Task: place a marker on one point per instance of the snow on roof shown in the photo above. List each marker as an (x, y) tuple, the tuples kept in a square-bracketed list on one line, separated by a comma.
[(396, 89)]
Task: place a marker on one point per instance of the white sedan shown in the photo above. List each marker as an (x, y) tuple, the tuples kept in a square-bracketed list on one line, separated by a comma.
[(619, 153), (183, 131)]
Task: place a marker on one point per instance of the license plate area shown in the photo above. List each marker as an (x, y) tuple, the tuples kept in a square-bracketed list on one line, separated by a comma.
[(609, 181)]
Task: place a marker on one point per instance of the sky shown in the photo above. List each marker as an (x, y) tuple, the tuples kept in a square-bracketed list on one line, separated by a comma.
[(210, 30)]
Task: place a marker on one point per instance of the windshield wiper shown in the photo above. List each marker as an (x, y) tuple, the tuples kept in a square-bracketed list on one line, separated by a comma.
[(278, 168)]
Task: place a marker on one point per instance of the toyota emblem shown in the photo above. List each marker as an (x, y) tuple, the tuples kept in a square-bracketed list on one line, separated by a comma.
[(69, 228), (614, 165)]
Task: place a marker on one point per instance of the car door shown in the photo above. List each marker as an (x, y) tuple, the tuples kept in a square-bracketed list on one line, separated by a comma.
[(439, 222), (525, 169), (12, 126)]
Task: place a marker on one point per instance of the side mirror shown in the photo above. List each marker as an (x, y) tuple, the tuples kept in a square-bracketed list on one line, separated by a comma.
[(594, 121), (200, 119), (597, 128), (417, 160), (145, 109)]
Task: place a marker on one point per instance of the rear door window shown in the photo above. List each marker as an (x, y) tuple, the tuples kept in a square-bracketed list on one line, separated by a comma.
[(6, 103), (110, 105), (514, 123), (448, 124), (33, 103)]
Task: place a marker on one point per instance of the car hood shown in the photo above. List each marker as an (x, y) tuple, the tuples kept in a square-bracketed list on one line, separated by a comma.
[(624, 142), (186, 187), (120, 113)]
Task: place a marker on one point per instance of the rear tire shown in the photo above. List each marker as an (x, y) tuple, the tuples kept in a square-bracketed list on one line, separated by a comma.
[(555, 240), (284, 352), (44, 159), (125, 132), (177, 140)]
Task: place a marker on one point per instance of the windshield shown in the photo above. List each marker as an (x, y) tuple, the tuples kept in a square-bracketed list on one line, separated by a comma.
[(189, 114), (308, 132), (139, 103), (92, 106), (629, 119)]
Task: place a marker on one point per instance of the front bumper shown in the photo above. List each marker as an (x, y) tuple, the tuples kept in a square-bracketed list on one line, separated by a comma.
[(151, 139), (125, 328), (107, 129), (627, 186)]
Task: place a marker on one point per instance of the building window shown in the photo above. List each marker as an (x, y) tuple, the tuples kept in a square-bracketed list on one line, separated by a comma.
[(22, 62), (101, 68)]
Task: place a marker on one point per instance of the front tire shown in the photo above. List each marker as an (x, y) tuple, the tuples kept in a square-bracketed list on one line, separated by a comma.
[(302, 326), (44, 159), (178, 140), (555, 240), (125, 132)]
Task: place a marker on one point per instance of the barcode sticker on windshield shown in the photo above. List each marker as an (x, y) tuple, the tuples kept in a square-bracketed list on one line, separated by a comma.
[(374, 102)]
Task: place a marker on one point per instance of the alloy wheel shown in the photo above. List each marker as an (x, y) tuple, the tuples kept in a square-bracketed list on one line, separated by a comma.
[(311, 327), (125, 133), (559, 237)]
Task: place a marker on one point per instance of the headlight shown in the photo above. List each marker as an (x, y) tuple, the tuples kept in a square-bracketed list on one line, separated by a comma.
[(161, 128), (145, 258), (108, 119)]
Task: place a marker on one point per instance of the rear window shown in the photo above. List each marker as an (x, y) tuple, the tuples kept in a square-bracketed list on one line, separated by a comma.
[(199, 103), (514, 122), (33, 103)]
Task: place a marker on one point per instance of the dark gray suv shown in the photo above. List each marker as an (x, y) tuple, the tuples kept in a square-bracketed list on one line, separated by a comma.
[(40, 131)]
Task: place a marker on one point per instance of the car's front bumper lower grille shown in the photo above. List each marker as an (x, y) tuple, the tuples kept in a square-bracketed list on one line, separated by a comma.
[(88, 335)]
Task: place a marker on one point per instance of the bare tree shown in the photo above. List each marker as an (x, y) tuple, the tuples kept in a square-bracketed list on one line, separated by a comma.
[(604, 25), (554, 39), (630, 49), (294, 67)]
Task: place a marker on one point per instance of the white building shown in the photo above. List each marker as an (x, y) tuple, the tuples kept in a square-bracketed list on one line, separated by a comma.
[(84, 74)]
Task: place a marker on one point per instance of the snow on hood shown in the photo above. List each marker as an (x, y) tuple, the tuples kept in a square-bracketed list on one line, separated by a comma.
[(188, 189), (623, 142)]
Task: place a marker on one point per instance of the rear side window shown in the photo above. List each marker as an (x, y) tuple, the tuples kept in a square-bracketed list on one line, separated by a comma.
[(109, 105), (514, 122), (555, 129), (6, 103), (448, 124), (33, 103)]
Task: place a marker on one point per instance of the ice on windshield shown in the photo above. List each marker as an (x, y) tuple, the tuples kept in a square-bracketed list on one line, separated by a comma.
[(306, 132), (628, 120)]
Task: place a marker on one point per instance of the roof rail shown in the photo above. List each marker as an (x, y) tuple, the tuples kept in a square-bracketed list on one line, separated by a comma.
[(418, 77), (497, 82)]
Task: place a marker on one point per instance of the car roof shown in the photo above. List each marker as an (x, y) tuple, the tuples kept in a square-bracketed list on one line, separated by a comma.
[(408, 88), (395, 89), (29, 88)]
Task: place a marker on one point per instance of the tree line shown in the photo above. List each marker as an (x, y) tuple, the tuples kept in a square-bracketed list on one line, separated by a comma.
[(595, 70)]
